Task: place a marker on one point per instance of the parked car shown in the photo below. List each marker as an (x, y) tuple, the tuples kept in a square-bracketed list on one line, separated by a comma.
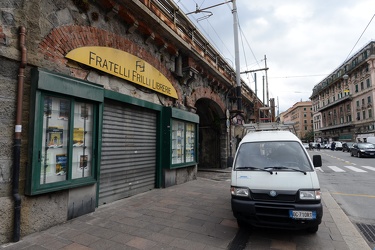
[(306, 145), (363, 149), (346, 146), (338, 145)]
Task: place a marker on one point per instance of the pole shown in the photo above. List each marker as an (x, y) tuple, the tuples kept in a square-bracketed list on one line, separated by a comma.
[(265, 63), (237, 56), (264, 104)]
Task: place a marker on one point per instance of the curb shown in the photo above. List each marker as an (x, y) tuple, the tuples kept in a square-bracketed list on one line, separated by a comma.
[(352, 237)]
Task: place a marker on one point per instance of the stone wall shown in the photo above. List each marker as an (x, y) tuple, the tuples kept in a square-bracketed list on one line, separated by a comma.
[(53, 28)]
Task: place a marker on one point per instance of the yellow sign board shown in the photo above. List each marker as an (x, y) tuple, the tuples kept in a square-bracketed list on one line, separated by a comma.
[(123, 65)]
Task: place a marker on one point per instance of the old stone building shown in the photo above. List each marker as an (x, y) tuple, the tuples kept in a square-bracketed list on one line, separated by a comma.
[(102, 100), (343, 102), (301, 115)]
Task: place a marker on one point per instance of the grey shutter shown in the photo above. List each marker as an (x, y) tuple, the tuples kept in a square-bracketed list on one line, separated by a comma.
[(128, 162)]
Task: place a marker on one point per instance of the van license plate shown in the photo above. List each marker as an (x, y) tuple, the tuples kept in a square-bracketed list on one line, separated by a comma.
[(302, 215)]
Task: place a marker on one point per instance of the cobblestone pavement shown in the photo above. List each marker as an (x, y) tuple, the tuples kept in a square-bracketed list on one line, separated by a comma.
[(194, 215)]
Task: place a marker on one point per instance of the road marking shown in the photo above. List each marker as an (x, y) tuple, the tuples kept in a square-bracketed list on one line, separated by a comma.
[(336, 169), (359, 195), (358, 170), (369, 168), (319, 169)]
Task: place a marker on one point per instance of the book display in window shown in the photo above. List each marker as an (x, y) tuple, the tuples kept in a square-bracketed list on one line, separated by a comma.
[(82, 140), (78, 137), (54, 155), (178, 142), (190, 142), (61, 164), (64, 145), (64, 109), (55, 137)]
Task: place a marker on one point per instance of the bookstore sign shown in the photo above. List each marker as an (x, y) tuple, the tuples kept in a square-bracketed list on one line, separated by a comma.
[(123, 65)]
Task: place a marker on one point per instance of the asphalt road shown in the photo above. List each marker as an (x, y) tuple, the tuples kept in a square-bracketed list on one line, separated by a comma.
[(351, 182)]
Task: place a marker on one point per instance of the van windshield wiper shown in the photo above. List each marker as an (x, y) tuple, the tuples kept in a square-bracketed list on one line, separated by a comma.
[(286, 168), (254, 168)]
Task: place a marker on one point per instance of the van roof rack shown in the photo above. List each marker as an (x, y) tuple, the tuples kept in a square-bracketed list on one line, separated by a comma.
[(268, 126)]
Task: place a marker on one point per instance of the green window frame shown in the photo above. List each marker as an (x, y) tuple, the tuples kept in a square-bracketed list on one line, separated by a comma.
[(183, 142), (181, 128), (65, 130)]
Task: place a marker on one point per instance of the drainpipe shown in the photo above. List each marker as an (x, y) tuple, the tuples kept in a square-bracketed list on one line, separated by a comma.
[(17, 139)]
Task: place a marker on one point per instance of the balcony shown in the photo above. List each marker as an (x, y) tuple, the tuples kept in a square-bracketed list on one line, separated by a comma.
[(341, 100), (342, 125)]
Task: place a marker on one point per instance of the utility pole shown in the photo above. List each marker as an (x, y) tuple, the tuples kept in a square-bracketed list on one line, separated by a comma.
[(265, 66), (237, 56), (236, 47)]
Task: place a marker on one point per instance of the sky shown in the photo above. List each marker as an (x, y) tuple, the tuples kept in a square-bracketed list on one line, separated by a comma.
[(303, 40)]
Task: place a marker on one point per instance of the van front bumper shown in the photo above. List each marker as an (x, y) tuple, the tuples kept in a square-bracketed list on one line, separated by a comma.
[(275, 214)]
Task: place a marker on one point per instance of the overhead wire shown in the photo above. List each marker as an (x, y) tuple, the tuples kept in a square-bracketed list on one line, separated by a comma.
[(359, 38), (203, 30)]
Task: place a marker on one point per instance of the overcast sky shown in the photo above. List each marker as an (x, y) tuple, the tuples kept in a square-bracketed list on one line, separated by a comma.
[(304, 40)]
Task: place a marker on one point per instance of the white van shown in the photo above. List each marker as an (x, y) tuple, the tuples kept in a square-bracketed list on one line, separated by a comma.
[(274, 183)]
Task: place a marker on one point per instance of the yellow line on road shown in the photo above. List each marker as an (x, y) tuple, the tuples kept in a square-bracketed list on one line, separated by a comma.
[(359, 195)]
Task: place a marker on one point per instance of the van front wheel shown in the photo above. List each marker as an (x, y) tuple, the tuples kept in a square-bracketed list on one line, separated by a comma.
[(241, 223), (313, 229)]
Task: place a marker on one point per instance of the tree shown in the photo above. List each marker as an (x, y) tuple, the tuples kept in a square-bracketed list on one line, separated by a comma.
[(309, 136)]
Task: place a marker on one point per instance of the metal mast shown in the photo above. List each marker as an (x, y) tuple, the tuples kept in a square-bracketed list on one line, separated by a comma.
[(237, 56)]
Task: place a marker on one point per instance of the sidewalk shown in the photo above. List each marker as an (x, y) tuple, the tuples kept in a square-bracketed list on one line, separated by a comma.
[(194, 215)]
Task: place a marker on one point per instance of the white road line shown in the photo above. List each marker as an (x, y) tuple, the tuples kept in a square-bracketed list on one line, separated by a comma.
[(336, 169), (319, 169), (369, 168), (356, 169)]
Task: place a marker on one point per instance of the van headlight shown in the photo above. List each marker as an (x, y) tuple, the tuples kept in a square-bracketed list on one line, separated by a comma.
[(239, 191), (310, 194)]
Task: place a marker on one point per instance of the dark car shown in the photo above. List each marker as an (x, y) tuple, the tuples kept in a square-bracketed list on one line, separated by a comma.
[(346, 146), (363, 150)]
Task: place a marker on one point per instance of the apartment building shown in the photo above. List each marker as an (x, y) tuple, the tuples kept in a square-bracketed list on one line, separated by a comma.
[(300, 114), (343, 102)]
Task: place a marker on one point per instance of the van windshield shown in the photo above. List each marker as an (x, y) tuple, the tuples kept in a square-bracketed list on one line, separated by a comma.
[(272, 155)]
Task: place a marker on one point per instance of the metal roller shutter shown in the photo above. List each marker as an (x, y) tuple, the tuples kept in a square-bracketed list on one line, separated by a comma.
[(128, 162)]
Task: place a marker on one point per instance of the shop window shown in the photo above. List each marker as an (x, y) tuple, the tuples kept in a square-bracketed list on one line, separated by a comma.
[(183, 142), (64, 143), (181, 137), (66, 151)]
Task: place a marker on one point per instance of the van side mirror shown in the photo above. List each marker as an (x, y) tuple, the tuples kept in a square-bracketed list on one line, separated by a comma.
[(317, 161)]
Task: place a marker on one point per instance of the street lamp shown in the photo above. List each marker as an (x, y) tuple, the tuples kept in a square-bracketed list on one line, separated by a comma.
[(346, 90)]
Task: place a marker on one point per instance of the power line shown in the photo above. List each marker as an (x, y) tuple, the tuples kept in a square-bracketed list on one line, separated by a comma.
[(359, 38), (298, 76)]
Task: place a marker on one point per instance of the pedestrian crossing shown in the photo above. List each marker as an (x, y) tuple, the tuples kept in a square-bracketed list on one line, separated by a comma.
[(345, 169)]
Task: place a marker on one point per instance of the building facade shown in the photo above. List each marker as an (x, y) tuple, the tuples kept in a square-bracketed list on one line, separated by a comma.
[(301, 115), (343, 103), (102, 100)]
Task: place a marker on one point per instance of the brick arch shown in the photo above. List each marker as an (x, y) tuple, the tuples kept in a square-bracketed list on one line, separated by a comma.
[(204, 92), (62, 40)]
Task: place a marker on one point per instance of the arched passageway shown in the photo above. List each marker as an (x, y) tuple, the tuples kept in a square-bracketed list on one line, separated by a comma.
[(212, 134)]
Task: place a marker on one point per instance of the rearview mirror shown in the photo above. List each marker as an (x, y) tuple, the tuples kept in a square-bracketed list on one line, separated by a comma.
[(317, 160)]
